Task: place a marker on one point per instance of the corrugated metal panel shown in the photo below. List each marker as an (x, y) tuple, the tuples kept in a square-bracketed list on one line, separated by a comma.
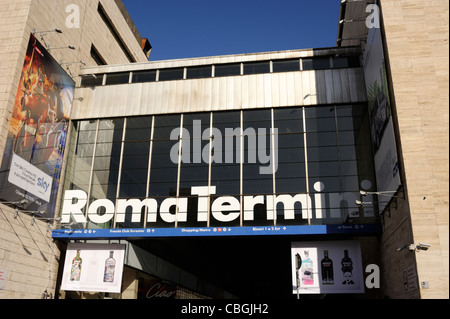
[(225, 93)]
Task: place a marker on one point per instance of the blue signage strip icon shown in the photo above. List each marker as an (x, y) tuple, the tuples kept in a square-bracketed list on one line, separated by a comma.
[(76, 234)]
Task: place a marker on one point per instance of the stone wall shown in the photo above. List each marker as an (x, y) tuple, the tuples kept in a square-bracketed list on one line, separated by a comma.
[(417, 36)]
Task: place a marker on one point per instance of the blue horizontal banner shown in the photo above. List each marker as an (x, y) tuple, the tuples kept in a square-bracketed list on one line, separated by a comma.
[(75, 234)]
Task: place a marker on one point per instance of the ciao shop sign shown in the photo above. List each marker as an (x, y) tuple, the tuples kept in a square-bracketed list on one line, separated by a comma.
[(156, 289)]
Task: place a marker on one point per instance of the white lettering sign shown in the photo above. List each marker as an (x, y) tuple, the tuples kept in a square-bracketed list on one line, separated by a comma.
[(224, 209), (30, 178)]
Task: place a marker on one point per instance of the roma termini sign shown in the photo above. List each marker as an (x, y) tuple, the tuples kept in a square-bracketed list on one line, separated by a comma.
[(226, 210)]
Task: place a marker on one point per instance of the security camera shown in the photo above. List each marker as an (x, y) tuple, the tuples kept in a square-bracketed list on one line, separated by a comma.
[(424, 246), (23, 202), (419, 247)]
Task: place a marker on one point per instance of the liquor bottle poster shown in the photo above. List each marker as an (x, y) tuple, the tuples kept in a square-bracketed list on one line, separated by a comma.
[(93, 268), (331, 267), (31, 166)]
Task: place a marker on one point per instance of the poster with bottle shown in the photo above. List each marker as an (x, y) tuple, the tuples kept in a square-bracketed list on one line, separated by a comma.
[(328, 267), (93, 268)]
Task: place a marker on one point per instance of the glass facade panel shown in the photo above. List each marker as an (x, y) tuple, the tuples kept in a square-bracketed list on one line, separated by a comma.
[(257, 177), (79, 160), (225, 162), (290, 178), (194, 170), (164, 165), (134, 170), (135, 161), (107, 162), (138, 129), (289, 120), (323, 162), (139, 159)]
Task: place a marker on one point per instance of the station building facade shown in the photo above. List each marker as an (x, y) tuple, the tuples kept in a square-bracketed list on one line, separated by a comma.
[(209, 177), (222, 149)]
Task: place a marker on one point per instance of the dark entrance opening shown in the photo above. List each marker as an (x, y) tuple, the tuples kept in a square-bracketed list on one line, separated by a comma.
[(246, 267)]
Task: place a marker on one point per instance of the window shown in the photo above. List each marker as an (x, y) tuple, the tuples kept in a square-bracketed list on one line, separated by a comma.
[(286, 65), (112, 29), (91, 80), (97, 56), (144, 76), (257, 67), (346, 62), (199, 72), (318, 63), (117, 78), (227, 70), (171, 74)]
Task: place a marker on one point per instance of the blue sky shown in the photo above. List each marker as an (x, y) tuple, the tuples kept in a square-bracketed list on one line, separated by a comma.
[(196, 28)]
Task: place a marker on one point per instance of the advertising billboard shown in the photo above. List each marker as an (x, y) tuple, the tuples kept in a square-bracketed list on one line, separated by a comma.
[(333, 267), (381, 122), (31, 166), (93, 268)]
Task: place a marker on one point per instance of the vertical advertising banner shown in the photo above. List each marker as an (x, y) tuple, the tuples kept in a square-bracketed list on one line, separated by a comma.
[(381, 122), (93, 268), (31, 165), (328, 268)]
